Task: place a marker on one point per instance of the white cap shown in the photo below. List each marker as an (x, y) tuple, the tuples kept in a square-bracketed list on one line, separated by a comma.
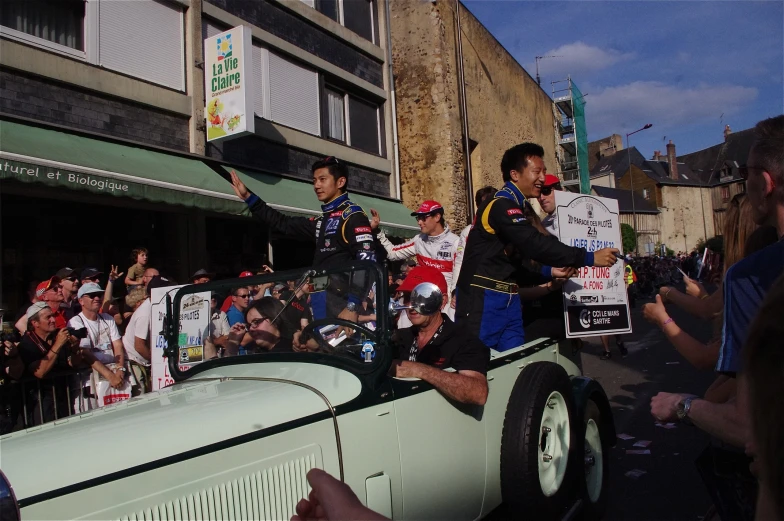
[(90, 287), (36, 308)]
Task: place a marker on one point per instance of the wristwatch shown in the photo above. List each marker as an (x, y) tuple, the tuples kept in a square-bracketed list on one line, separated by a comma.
[(351, 306), (684, 406)]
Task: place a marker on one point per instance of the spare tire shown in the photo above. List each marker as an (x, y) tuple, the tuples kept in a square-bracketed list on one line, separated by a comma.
[(539, 444)]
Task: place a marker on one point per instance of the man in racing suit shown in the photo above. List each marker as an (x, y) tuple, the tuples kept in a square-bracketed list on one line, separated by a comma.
[(489, 299), (436, 246), (342, 234)]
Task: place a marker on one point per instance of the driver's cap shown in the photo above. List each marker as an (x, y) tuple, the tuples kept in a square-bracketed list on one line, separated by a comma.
[(422, 274)]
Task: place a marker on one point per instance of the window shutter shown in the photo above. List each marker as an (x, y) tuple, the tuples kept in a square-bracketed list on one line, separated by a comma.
[(209, 29), (143, 39), (293, 95)]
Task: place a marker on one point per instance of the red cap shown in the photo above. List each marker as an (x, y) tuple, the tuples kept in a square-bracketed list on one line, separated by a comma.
[(422, 274), (427, 207), (46, 285), (246, 274), (550, 180)]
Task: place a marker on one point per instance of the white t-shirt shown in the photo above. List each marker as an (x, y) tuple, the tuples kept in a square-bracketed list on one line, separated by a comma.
[(100, 335), (138, 326), (219, 325)]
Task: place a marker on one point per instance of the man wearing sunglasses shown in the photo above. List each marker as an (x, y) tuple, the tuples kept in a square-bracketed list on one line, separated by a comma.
[(489, 299), (342, 234), (69, 281), (435, 246)]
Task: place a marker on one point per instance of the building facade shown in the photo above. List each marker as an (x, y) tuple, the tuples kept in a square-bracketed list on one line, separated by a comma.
[(103, 142), (504, 105)]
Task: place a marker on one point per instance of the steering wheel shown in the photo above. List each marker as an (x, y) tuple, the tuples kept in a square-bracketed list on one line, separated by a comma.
[(311, 331)]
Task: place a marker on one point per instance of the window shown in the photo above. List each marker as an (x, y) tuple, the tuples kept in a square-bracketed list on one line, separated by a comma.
[(334, 114), (646, 193), (725, 193), (143, 38), (329, 8), (742, 188), (55, 24), (364, 125), (358, 16)]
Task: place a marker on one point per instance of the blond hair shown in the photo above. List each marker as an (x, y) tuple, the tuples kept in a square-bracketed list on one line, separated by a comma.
[(135, 296)]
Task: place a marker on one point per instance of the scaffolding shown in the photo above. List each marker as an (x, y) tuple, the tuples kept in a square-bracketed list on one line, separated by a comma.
[(572, 135)]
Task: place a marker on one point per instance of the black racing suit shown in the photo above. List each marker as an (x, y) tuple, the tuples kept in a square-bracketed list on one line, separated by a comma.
[(487, 295), (342, 234)]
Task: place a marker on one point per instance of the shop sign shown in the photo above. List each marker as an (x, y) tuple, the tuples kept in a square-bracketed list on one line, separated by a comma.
[(228, 74), (595, 301), (194, 323)]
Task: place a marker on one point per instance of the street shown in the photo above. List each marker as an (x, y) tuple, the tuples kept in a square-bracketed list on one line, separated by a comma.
[(671, 488)]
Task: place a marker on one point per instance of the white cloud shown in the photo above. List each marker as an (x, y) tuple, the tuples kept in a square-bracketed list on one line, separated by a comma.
[(579, 57), (626, 107)]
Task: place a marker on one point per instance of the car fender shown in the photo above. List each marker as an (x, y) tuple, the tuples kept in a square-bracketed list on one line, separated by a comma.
[(584, 389)]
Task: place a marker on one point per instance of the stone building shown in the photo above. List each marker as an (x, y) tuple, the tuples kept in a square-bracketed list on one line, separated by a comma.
[(504, 105), (102, 131)]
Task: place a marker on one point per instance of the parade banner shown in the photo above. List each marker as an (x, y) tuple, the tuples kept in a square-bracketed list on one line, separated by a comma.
[(228, 77), (194, 322), (595, 301)]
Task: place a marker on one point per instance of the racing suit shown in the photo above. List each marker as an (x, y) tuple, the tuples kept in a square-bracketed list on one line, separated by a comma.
[(488, 298), (437, 251), (342, 234)]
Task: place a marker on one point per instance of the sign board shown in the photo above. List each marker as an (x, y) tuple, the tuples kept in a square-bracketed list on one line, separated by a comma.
[(194, 322), (595, 301), (228, 77)]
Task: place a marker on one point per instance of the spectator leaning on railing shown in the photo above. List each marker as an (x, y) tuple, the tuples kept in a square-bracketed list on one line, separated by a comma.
[(102, 339)]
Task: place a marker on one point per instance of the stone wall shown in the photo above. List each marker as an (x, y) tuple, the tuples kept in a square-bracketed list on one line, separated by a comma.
[(685, 218), (505, 105)]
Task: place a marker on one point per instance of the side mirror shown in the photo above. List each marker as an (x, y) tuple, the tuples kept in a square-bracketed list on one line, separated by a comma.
[(426, 299)]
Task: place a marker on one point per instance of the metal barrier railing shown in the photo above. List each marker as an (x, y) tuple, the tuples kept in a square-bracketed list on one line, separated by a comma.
[(32, 401)]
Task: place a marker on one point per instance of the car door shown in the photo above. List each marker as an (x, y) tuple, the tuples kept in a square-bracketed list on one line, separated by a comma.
[(442, 453)]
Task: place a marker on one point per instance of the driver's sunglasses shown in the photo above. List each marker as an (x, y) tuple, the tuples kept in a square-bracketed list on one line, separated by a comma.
[(254, 324), (547, 190), (423, 216)]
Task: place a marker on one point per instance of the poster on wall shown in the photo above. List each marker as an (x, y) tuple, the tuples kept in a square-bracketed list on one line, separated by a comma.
[(194, 322), (228, 89), (595, 301)]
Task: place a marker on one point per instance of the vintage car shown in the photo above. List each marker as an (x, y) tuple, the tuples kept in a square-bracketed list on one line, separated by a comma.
[(234, 436)]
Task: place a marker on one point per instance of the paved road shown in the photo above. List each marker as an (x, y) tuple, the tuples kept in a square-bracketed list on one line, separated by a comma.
[(671, 489)]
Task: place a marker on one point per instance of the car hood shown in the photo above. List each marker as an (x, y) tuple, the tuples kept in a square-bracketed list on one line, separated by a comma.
[(175, 420)]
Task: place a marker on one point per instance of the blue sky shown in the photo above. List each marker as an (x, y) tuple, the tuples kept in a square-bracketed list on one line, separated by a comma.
[(679, 65)]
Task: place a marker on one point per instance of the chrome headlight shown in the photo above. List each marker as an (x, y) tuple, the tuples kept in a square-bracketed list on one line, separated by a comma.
[(9, 508)]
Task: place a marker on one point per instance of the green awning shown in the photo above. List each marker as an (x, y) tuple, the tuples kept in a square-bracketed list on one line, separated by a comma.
[(297, 198), (61, 159), (64, 160)]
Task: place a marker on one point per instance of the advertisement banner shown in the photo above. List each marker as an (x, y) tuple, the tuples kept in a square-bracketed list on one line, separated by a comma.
[(595, 301), (228, 77), (194, 322)]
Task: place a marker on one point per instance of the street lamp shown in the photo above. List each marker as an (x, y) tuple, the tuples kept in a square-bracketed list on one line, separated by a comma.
[(631, 180)]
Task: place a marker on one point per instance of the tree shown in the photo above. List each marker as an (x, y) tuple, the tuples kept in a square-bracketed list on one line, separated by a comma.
[(628, 238)]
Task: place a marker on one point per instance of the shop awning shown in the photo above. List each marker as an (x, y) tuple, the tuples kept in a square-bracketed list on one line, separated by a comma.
[(61, 159)]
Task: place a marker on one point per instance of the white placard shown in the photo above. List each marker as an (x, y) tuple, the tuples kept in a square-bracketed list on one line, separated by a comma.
[(595, 302), (228, 84), (194, 321)]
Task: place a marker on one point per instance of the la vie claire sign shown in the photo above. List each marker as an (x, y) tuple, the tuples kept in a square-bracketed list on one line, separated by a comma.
[(229, 84)]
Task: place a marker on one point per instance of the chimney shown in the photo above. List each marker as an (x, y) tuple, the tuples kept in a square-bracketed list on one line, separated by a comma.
[(672, 160), (657, 155), (727, 132)]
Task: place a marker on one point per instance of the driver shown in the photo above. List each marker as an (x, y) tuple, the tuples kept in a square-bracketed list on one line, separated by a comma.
[(342, 234), (434, 343), (265, 335)]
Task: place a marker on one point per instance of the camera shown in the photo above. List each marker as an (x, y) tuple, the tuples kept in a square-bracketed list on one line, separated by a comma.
[(77, 333), (13, 337)]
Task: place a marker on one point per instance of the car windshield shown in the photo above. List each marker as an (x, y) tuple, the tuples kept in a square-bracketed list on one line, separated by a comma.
[(298, 313)]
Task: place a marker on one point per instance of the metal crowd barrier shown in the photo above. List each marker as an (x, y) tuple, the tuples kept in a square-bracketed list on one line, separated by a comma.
[(21, 399)]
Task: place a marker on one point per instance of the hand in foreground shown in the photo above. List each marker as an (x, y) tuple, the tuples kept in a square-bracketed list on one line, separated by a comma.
[(375, 219), (63, 336), (237, 332), (116, 380), (331, 500), (113, 275), (404, 369), (239, 187), (351, 316), (664, 406), (564, 273), (605, 257), (300, 345), (655, 312), (694, 288)]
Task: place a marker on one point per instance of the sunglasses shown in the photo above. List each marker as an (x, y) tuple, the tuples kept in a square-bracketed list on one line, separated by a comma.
[(423, 216), (246, 295), (547, 190)]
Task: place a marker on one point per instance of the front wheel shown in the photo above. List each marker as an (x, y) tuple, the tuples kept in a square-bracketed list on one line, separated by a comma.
[(538, 476)]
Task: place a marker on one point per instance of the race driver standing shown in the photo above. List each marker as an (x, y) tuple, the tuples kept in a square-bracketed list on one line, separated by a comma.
[(342, 234), (488, 296), (436, 246)]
